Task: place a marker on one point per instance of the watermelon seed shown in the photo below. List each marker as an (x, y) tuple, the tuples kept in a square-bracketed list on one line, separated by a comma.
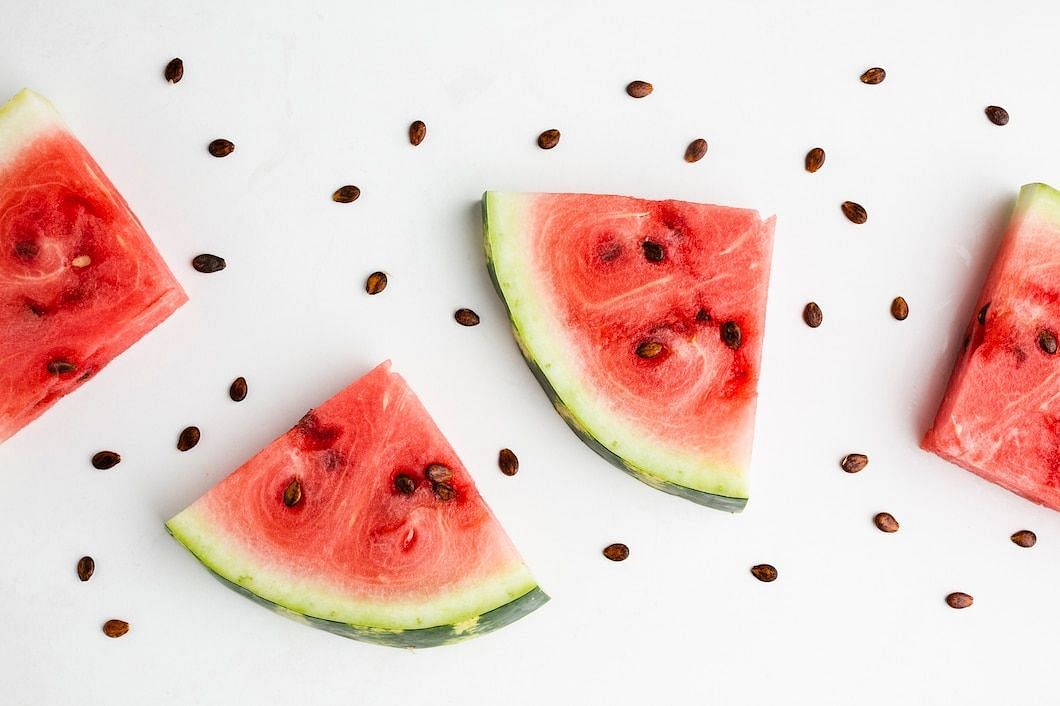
[(35, 308), (885, 522), (812, 315), (649, 349), (86, 566), (208, 264), (814, 159), (616, 551), (417, 132), (548, 139), (221, 148), (174, 70), (105, 460), (731, 334), (115, 628), (696, 150), (437, 473), (238, 389), (854, 212), (639, 89), (81, 261), (292, 494), (853, 463), (982, 313), (959, 600), (1024, 538), (26, 249), (405, 484), (376, 283), (508, 462), (703, 315), (346, 194), (466, 317), (1047, 341), (653, 252), (873, 76), (444, 491), (900, 308), (997, 115), (61, 367), (766, 573), (189, 439)]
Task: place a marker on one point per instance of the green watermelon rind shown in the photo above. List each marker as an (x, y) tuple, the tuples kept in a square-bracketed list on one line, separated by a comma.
[(726, 492), (468, 613)]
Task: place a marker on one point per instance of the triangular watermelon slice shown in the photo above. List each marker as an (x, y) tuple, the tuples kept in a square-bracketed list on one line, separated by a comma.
[(80, 280), (361, 520), (643, 321)]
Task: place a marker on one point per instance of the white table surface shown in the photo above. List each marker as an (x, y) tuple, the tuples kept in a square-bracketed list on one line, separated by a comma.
[(322, 96)]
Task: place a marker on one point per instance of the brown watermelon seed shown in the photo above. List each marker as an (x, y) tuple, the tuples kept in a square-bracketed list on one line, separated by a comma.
[(900, 308), (1047, 341), (653, 252), (508, 462), (208, 264), (814, 159), (703, 315), (731, 334), (854, 212), (61, 367), (812, 315), (639, 89), (982, 313), (765, 573), (466, 317), (997, 115), (105, 460), (115, 628), (873, 76), (885, 522), (346, 194), (189, 439), (959, 600), (649, 349), (1024, 538), (696, 150), (404, 484), (238, 389), (376, 283), (437, 473), (81, 261), (548, 139), (86, 566), (853, 463), (174, 70), (27, 249), (616, 551), (417, 132), (221, 148), (292, 494), (444, 491)]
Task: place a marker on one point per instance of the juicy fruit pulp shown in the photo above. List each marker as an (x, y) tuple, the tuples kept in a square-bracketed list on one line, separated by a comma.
[(80, 280), (1000, 416), (338, 523), (643, 320)]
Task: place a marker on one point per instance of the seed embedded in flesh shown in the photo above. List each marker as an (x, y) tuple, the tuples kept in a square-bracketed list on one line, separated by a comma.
[(548, 139), (346, 194), (189, 438), (404, 484), (812, 315), (873, 76), (105, 460), (417, 132), (466, 317), (221, 148), (508, 462), (814, 159), (81, 261), (997, 115), (696, 150), (855, 212), (616, 551), (237, 391), (174, 70), (649, 349), (653, 252), (731, 334), (60, 366), (376, 283), (765, 573), (639, 89), (900, 308), (1047, 341), (115, 628), (1024, 538), (982, 313), (292, 494), (437, 473), (885, 522), (959, 599), (444, 491), (208, 264), (86, 566), (853, 463)]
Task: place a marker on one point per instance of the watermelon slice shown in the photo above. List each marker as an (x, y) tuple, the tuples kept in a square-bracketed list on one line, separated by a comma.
[(80, 280), (1000, 416), (643, 321), (361, 520)]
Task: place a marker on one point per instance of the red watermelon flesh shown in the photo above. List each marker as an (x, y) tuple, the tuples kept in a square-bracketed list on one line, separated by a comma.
[(590, 280), (80, 280), (1000, 417), (354, 554)]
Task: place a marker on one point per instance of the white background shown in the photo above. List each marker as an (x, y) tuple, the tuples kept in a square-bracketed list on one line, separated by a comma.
[(319, 97)]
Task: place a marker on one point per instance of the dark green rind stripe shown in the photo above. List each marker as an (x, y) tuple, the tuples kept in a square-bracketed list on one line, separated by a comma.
[(713, 500)]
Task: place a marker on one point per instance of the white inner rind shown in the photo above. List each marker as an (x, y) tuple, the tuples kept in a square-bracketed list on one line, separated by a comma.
[(22, 119)]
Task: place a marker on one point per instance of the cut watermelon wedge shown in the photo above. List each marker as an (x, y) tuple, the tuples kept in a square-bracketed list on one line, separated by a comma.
[(80, 280), (337, 524), (643, 321), (1000, 417)]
